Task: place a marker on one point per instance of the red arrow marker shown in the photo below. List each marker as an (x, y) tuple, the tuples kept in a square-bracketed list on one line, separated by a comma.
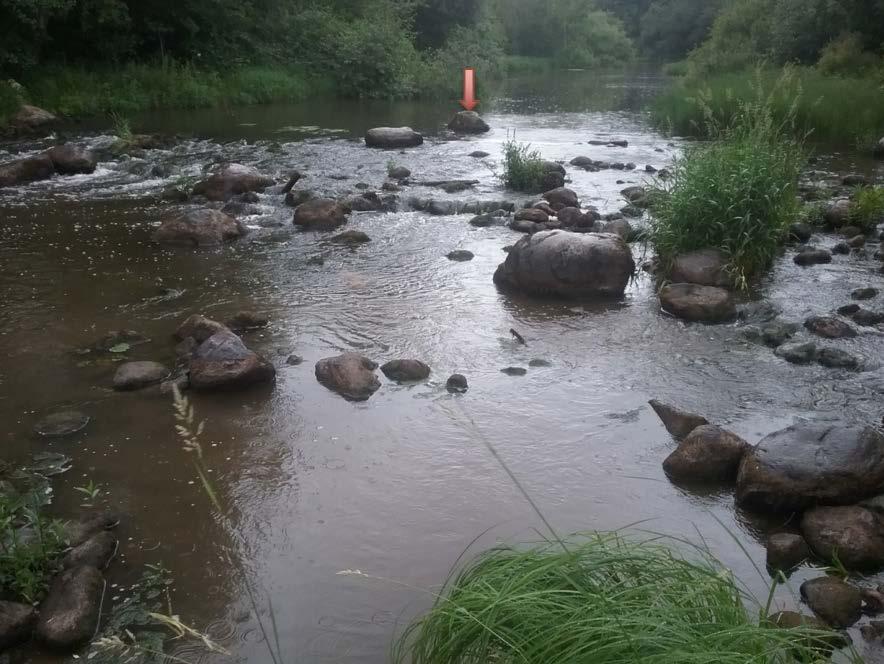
[(469, 100)]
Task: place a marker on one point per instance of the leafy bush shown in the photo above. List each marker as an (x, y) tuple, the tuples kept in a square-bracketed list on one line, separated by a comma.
[(595, 39), (605, 599), (867, 209), (522, 167), (846, 56), (736, 193)]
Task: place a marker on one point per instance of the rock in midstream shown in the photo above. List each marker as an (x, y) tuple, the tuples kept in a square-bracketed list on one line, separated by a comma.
[(702, 304), (405, 370), (351, 375), (706, 267), (567, 265), (222, 362), (812, 463), (231, 180), (199, 228), (320, 214), (708, 454), (678, 423), (393, 137)]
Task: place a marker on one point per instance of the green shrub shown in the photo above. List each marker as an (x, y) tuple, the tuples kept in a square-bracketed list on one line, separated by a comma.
[(522, 167), (737, 193), (847, 56), (604, 600), (867, 210)]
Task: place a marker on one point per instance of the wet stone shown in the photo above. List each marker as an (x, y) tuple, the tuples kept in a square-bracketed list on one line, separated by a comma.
[(294, 360), (797, 353), (351, 375), (848, 309), (835, 358), (405, 370), (132, 376), (514, 371), (786, 551), (95, 552), (678, 423), (539, 363), (16, 623), (456, 383), (829, 327), (460, 255), (833, 600), (65, 423), (864, 293)]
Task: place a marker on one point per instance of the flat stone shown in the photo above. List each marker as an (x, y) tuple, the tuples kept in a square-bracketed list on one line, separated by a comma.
[(393, 137), (514, 371), (137, 375), (706, 267), (65, 423), (351, 237)]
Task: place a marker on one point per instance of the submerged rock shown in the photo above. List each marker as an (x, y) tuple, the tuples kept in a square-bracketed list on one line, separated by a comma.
[(247, 320), (829, 327), (199, 228), (835, 358), (320, 214), (137, 375), (855, 180), (678, 423), (567, 265), (708, 454), (853, 534), (460, 255), (16, 623), (351, 375), (868, 318), (71, 159), (78, 532), (479, 154), (351, 237), (405, 370), (69, 614), (703, 304), (231, 180), (65, 423), (706, 267), (222, 362), (393, 137), (199, 327), (398, 173), (812, 464), (797, 353), (23, 171), (468, 122), (786, 551), (837, 603)]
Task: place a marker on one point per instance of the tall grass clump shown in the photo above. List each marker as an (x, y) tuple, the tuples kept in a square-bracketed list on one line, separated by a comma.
[(602, 600), (867, 208), (523, 168), (736, 193), (825, 108)]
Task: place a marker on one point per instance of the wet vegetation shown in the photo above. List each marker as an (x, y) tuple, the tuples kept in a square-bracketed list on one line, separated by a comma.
[(867, 210), (523, 168)]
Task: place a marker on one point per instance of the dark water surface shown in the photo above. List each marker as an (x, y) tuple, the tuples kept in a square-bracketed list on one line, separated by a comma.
[(399, 486)]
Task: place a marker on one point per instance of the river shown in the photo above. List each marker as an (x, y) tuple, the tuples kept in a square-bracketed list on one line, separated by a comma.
[(401, 485)]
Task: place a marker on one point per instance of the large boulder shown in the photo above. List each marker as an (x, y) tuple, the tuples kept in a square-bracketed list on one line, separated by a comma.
[(468, 122), (231, 180), (198, 228), (137, 375), (222, 362), (71, 159), (31, 119), (393, 137), (351, 375), (320, 214), (703, 304), (69, 614), (852, 534), (23, 171), (709, 454), (562, 197), (810, 464), (706, 267), (16, 623), (567, 265)]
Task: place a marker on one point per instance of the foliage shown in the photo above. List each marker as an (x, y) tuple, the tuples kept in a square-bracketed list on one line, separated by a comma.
[(522, 167), (600, 599), (827, 108), (846, 56), (738, 193), (867, 208), (672, 28)]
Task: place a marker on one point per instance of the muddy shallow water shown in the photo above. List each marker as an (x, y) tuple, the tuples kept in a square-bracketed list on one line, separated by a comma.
[(399, 486)]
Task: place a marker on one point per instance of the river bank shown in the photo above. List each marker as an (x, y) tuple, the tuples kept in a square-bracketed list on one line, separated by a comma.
[(396, 486)]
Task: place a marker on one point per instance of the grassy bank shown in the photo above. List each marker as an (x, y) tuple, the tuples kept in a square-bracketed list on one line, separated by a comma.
[(825, 108), (604, 599), (76, 92)]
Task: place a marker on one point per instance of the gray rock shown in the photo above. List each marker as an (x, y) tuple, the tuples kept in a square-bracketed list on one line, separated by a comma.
[(460, 255), (709, 454), (776, 333), (848, 309), (30, 119), (199, 327), (841, 248), (531, 214), (829, 327), (468, 122), (405, 370), (786, 551), (851, 232), (837, 213), (567, 265), (320, 214), (351, 375), (393, 137), (864, 293), (294, 360), (561, 197), (855, 180), (69, 614), (797, 353), (678, 423), (137, 375), (23, 171), (619, 227), (399, 173), (704, 304), (199, 228), (852, 534), (812, 256), (232, 180), (222, 362), (479, 154), (456, 383), (351, 237), (539, 363), (514, 371), (799, 232), (868, 318), (16, 623), (811, 464), (838, 604), (65, 423), (835, 358), (482, 220), (95, 552), (247, 320), (71, 159), (637, 196), (706, 267)]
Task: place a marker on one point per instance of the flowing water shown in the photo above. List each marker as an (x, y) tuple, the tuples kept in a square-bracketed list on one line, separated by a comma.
[(399, 486)]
